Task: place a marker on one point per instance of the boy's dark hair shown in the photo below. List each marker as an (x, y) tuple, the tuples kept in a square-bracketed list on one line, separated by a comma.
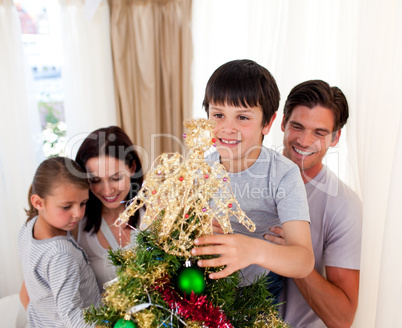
[(243, 83), (111, 141), (51, 173), (317, 92)]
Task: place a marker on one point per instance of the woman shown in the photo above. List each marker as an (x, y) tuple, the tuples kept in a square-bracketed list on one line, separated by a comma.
[(115, 175)]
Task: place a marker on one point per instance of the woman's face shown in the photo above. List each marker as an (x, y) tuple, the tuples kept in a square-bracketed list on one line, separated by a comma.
[(109, 178)]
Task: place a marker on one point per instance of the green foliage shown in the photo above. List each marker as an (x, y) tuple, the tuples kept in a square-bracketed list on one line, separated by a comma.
[(250, 301), (101, 316), (52, 114), (136, 271), (54, 139), (54, 131)]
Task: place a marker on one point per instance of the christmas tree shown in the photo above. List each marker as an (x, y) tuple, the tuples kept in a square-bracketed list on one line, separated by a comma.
[(158, 283)]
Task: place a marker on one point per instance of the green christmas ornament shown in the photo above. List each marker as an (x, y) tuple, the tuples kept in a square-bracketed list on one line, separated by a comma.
[(191, 280), (122, 323)]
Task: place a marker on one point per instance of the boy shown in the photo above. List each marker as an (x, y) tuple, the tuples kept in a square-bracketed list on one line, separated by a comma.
[(242, 97)]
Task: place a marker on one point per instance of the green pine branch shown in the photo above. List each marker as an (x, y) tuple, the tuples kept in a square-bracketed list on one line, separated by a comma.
[(242, 306)]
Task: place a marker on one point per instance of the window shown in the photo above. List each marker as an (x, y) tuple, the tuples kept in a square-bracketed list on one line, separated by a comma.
[(40, 29)]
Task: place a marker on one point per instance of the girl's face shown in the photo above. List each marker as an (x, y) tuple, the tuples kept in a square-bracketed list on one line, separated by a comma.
[(109, 178), (62, 209)]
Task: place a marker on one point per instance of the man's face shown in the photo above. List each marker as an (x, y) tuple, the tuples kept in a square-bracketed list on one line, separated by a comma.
[(308, 135)]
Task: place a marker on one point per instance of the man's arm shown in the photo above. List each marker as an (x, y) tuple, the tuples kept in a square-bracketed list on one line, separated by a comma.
[(334, 299)]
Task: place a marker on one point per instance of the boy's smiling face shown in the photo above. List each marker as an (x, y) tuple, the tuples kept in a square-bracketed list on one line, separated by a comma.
[(239, 134)]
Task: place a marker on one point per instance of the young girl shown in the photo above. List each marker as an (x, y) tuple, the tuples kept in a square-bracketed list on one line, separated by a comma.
[(58, 277)]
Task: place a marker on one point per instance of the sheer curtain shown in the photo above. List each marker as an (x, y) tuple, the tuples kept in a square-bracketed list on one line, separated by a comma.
[(356, 45), (295, 40), (89, 100), (20, 144), (89, 104), (379, 148)]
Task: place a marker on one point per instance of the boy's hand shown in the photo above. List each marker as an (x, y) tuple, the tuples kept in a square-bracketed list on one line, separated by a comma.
[(235, 253), (217, 227), (277, 238)]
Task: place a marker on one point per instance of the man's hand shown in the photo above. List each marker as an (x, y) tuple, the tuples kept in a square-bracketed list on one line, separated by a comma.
[(217, 227), (276, 237)]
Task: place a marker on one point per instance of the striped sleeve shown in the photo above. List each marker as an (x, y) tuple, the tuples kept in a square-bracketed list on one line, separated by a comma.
[(63, 273)]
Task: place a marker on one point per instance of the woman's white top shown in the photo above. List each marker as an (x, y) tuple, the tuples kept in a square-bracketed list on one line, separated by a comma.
[(98, 256)]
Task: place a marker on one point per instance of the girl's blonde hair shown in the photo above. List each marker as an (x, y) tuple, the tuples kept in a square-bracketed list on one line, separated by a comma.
[(51, 173)]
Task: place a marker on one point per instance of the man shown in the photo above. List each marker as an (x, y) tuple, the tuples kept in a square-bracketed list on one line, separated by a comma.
[(314, 114)]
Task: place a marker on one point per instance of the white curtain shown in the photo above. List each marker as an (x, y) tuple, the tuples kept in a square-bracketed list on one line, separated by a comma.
[(89, 101), (20, 144), (295, 40), (379, 156), (88, 104), (357, 46)]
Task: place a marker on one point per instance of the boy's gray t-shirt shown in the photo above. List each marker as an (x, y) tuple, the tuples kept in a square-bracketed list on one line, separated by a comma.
[(270, 192), (336, 223)]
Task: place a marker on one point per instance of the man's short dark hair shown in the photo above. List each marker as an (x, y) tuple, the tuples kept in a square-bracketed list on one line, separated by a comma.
[(317, 92)]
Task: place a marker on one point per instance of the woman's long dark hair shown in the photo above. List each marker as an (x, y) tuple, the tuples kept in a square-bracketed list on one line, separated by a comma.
[(113, 142)]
